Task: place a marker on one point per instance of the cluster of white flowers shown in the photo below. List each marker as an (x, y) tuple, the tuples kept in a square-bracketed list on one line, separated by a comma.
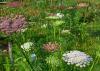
[(22, 30), (55, 16), (60, 15), (77, 58), (44, 26), (27, 46), (65, 31)]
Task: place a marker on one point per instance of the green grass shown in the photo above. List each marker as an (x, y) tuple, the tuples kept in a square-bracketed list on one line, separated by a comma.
[(81, 38)]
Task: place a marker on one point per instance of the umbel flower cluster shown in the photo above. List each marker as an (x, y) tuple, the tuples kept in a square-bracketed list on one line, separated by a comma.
[(12, 23), (77, 58), (27, 46), (51, 46), (55, 16)]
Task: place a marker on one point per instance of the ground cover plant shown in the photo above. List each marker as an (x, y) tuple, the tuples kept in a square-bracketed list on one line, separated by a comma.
[(49, 35)]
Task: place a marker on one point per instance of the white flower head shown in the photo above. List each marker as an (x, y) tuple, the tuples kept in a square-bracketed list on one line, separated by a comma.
[(27, 46), (55, 16), (22, 30), (44, 26), (65, 31), (60, 15), (78, 58)]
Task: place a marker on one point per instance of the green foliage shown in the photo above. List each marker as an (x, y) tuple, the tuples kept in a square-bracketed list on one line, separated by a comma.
[(42, 29)]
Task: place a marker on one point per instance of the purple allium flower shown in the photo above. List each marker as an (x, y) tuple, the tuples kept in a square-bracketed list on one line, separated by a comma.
[(78, 58), (9, 25)]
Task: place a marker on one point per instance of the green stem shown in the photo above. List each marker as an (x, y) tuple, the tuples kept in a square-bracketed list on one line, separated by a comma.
[(96, 59), (74, 69), (54, 32), (59, 34), (11, 55)]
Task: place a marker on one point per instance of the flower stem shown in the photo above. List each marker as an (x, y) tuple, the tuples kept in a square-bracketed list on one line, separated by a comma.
[(10, 54), (96, 59), (54, 32)]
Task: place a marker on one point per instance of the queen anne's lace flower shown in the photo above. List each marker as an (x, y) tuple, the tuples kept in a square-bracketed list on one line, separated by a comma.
[(77, 58), (60, 15), (44, 26), (55, 16), (23, 30), (65, 31), (12, 23), (27, 46), (51, 46)]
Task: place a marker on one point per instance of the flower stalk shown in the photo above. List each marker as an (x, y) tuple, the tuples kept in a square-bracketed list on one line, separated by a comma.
[(10, 54)]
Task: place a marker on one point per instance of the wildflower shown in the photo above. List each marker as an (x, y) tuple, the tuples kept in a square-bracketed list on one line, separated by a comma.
[(55, 16), (65, 31), (44, 26), (23, 30), (70, 8), (33, 57), (50, 46), (9, 25), (82, 5), (78, 58), (60, 15), (27, 46)]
